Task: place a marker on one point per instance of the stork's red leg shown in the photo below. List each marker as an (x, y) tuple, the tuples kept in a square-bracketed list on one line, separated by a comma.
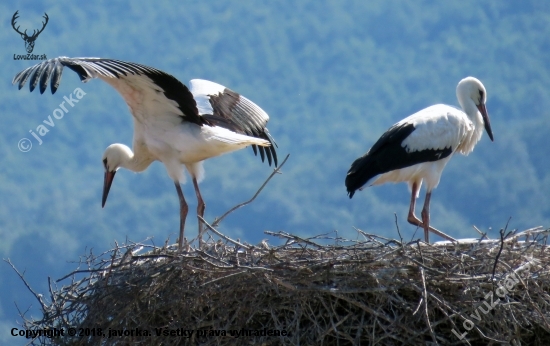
[(201, 206), (425, 214), (184, 208), (412, 219)]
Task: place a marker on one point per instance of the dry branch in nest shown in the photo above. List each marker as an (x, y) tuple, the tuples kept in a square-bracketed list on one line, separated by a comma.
[(323, 290)]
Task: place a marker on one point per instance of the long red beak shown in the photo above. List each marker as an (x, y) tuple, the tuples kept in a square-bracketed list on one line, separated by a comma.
[(483, 110), (107, 181)]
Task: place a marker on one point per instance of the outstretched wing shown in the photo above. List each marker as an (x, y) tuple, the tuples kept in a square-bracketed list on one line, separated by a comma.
[(151, 92), (226, 108), (135, 82)]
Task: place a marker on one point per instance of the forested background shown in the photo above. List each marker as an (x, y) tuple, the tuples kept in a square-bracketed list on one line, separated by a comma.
[(332, 75)]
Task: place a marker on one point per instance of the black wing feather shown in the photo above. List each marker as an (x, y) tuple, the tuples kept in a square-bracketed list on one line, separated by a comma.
[(88, 68), (386, 155), (236, 113)]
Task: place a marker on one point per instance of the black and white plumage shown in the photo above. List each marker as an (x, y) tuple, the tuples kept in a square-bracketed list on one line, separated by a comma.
[(417, 148), (172, 123)]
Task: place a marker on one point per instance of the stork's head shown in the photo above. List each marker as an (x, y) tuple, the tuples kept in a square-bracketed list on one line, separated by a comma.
[(471, 92), (114, 157)]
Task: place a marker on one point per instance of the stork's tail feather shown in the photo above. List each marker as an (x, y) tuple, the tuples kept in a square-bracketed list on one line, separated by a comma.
[(227, 136), (362, 170)]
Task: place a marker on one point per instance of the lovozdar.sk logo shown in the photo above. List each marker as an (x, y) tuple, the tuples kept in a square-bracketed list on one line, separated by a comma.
[(29, 39)]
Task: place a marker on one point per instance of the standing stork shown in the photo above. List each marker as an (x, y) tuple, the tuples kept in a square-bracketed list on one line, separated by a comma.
[(418, 147), (172, 124)]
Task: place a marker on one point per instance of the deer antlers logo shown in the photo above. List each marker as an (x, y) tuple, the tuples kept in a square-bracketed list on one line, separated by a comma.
[(29, 40)]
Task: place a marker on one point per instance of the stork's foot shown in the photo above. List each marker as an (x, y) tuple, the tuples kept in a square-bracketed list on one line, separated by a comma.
[(412, 219)]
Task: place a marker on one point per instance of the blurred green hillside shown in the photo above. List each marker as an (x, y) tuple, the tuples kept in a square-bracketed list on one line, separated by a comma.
[(333, 76)]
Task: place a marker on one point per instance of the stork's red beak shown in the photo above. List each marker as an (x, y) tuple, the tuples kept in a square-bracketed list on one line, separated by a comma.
[(107, 181), (483, 111)]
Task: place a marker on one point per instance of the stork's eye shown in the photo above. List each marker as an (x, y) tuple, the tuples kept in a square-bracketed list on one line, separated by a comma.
[(105, 164), (481, 96)]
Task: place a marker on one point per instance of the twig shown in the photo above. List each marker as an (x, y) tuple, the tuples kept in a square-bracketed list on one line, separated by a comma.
[(398, 231), (112, 263), (223, 277), (502, 231), (482, 234), (425, 292), (36, 295), (275, 171), (222, 235), (52, 295), (419, 305), (295, 238)]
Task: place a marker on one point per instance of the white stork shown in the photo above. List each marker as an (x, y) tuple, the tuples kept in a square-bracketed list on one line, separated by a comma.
[(418, 147), (172, 124)]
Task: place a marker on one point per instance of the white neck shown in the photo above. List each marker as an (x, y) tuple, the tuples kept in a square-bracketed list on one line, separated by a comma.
[(127, 159), (470, 108), (136, 164)]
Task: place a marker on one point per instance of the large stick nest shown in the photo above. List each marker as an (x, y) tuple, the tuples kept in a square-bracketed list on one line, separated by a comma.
[(320, 290)]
